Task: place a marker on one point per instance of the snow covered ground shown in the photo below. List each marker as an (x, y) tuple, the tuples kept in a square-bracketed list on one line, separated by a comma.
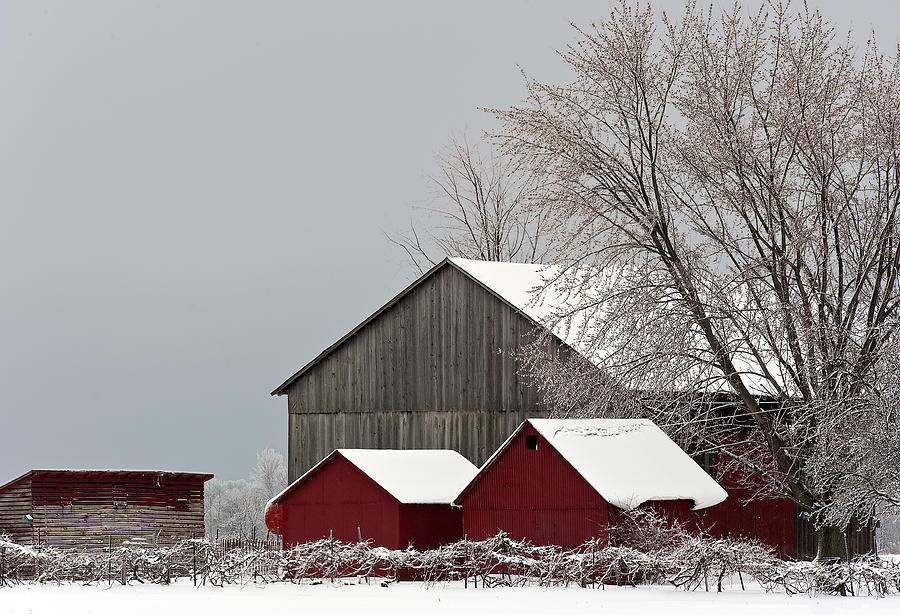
[(416, 599)]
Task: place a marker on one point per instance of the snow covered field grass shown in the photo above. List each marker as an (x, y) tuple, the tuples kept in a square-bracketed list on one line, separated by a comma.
[(415, 599)]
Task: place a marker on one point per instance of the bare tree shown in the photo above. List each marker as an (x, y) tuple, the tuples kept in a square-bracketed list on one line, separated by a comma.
[(729, 185), (270, 472), (479, 210), (236, 507)]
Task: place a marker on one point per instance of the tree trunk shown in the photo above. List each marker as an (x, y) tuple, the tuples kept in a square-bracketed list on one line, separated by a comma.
[(831, 543)]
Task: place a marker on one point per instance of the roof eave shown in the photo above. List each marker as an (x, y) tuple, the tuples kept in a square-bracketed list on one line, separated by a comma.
[(282, 388)]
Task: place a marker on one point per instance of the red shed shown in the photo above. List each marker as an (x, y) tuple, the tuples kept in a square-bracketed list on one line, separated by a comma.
[(393, 498), (86, 509), (560, 481)]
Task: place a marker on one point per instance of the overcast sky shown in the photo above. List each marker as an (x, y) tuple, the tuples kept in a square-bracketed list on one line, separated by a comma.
[(193, 197)]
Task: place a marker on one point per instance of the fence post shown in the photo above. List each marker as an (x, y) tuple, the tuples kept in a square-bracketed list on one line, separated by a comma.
[(331, 546), (194, 557), (2, 560), (109, 561), (465, 561), (37, 561)]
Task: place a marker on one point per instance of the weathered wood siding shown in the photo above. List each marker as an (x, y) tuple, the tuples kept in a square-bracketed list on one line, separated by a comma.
[(15, 503), (436, 369), (474, 433), (86, 515)]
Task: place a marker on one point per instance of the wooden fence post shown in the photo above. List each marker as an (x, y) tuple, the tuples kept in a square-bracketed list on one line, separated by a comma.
[(194, 557), (109, 560), (37, 561)]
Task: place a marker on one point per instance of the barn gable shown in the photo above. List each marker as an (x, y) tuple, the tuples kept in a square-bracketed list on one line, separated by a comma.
[(433, 368), (409, 476), (626, 461), (393, 498), (530, 491), (562, 481)]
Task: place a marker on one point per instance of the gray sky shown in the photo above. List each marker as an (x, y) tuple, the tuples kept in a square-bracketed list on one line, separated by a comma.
[(193, 197)]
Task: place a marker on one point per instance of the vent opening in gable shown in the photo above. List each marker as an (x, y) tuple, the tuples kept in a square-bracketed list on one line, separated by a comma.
[(531, 442)]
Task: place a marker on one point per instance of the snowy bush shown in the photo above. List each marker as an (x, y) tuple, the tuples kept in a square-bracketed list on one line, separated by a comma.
[(679, 559)]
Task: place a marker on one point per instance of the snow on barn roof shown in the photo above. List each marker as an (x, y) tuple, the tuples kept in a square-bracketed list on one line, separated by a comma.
[(539, 292), (629, 461), (411, 476), (543, 293)]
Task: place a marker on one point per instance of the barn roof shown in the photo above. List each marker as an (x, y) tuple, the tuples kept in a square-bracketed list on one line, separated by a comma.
[(543, 294), (491, 281), (546, 293), (410, 476), (627, 461), (109, 476)]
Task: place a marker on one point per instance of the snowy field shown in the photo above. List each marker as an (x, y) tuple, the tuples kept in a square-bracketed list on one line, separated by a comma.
[(416, 599)]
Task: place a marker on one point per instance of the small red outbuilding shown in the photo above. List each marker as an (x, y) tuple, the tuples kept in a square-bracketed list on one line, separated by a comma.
[(393, 498), (563, 482)]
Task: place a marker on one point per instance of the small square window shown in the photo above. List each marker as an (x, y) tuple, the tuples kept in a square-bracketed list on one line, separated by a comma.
[(531, 442)]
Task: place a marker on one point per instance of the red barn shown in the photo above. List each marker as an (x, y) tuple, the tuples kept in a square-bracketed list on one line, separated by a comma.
[(563, 481), (393, 498), (86, 509)]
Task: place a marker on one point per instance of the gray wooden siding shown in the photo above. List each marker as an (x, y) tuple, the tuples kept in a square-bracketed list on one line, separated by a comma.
[(15, 503), (476, 434), (447, 347)]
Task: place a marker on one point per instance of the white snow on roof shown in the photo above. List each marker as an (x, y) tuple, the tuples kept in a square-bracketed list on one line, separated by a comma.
[(539, 292), (425, 476), (519, 284), (630, 461), (415, 476)]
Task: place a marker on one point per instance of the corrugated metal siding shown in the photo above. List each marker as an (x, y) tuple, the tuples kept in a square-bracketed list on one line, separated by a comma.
[(535, 495), (448, 346), (337, 499), (428, 526), (771, 521)]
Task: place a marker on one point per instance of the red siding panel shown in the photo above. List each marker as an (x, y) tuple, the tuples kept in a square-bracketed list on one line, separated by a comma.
[(534, 495), (770, 521), (428, 526), (339, 498)]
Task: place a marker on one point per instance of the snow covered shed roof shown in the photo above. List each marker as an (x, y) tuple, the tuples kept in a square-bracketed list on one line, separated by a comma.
[(411, 476), (627, 461)]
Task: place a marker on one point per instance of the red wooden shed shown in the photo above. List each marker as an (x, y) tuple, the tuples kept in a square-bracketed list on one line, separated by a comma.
[(562, 481), (393, 498), (87, 509)]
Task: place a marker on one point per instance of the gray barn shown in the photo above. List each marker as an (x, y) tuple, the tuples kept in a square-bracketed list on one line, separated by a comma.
[(433, 368)]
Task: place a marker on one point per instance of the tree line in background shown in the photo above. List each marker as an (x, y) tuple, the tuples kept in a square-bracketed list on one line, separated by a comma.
[(235, 508), (718, 195)]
